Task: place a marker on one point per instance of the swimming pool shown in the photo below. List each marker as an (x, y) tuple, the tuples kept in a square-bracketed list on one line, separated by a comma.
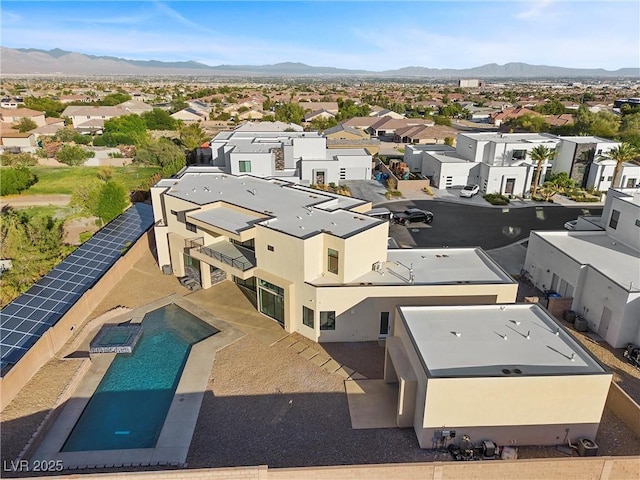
[(131, 402)]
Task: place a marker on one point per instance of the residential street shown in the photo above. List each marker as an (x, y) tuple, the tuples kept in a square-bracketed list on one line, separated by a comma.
[(460, 225)]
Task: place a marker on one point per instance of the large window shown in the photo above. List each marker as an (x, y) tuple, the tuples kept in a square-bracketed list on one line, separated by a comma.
[(327, 320), (332, 261), (384, 323), (307, 316), (615, 216), (271, 300), (245, 166), (519, 154), (191, 227)]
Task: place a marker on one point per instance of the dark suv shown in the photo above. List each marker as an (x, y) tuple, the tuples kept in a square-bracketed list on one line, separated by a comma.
[(413, 215)]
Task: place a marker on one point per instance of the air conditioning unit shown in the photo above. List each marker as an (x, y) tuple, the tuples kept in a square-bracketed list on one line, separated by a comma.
[(587, 448), (377, 267)]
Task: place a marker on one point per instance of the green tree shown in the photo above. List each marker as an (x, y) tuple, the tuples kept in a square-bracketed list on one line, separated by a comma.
[(177, 104), (602, 124), (448, 141), (50, 107), (159, 152), (552, 107), (289, 113), (539, 154), (15, 180), (26, 125), (630, 129), (112, 200), (321, 124), (192, 136), (623, 153), (115, 99), (125, 130), (73, 155), (527, 123), (557, 183), (85, 197), (158, 119), (442, 120)]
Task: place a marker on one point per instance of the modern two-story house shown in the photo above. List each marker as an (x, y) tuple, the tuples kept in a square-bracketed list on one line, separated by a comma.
[(314, 261)]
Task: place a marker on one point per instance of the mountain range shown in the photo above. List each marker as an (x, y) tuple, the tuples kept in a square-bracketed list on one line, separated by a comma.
[(31, 61)]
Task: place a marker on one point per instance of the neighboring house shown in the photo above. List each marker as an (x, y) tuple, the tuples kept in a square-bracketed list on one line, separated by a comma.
[(362, 123), (318, 114), (498, 162), (599, 270), (271, 149), (343, 132), (189, 115), (510, 374), (87, 118), (11, 102), (424, 134), (77, 98), (14, 115), (14, 141), (580, 157), (386, 127), (331, 107), (50, 129), (559, 120), (342, 137), (136, 106), (312, 260), (498, 118), (385, 112), (250, 115)]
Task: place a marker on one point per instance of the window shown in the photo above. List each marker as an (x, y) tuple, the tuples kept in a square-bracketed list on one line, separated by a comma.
[(332, 261), (599, 152), (384, 323), (327, 320), (307, 317), (270, 248), (631, 182), (637, 223), (519, 154), (245, 166), (613, 221), (602, 179), (191, 227), (609, 179)]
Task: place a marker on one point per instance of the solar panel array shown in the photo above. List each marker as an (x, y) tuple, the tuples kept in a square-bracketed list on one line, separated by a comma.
[(28, 317)]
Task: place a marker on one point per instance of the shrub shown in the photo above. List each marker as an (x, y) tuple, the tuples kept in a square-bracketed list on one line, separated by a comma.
[(496, 199), (16, 179), (18, 159), (112, 200), (73, 155), (84, 236), (99, 141), (392, 194)]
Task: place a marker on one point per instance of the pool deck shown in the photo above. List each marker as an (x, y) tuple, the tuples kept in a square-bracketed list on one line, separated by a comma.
[(176, 434)]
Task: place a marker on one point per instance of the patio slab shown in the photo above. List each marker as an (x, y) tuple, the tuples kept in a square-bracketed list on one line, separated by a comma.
[(372, 403)]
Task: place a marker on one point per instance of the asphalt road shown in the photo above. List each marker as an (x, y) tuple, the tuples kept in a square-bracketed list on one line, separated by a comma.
[(459, 225)]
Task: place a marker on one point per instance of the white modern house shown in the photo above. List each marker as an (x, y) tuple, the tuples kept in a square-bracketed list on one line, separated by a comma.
[(585, 160), (505, 373), (314, 261), (599, 270), (280, 150), (498, 162)]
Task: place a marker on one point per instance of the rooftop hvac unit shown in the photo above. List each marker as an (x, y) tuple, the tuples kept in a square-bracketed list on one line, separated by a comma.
[(587, 448), (377, 267), (488, 448)]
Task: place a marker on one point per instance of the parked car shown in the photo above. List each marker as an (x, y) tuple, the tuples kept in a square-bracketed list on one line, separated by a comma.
[(413, 215), (469, 190), (571, 225)]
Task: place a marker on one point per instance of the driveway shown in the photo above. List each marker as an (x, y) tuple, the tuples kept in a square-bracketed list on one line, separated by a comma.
[(468, 225), (370, 190)]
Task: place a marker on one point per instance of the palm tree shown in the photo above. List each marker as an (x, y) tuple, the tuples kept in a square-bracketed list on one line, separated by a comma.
[(540, 154), (624, 152)]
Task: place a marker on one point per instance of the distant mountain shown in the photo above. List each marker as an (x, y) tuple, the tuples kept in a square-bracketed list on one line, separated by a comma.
[(31, 61)]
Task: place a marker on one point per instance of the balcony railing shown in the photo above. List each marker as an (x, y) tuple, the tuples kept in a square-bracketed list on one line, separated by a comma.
[(238, 257)]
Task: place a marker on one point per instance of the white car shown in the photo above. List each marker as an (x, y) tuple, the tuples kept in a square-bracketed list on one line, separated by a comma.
[(571, 225), (469, 190)]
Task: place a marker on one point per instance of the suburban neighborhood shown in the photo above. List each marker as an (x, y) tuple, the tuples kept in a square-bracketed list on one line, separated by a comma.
[(320, 277)]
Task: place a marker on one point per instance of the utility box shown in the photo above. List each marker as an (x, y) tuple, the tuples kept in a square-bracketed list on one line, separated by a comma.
[(587, 448)]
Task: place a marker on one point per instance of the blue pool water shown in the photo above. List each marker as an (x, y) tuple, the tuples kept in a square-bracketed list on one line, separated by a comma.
[(131, 403)]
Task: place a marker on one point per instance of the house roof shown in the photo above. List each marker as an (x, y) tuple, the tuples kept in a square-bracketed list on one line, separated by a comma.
[(93, 111), (347, 129), (361, 122), (494, 341), (294, 210), (19, 112)]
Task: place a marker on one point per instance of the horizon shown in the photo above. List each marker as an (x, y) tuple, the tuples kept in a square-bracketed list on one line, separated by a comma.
[(359, 35)]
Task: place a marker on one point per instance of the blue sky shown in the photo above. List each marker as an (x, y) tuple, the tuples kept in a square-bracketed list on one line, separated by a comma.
[(372, 35)]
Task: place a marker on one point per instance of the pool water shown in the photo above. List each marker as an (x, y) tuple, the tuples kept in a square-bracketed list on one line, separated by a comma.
[(131, 402)]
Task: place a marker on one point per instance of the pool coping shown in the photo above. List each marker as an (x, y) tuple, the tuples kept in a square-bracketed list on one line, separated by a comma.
[(175, 437)]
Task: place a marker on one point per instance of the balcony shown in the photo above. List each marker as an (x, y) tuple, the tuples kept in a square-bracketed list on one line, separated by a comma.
[(240, 258)]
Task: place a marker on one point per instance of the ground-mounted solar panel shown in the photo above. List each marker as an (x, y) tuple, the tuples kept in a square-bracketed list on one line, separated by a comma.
[(27, 318)]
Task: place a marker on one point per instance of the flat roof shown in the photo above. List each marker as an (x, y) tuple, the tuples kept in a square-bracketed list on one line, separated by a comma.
[(449, 157), (587, 139), (512, 137), (606, 255), (431, 266), (494, 341), (301, 212)]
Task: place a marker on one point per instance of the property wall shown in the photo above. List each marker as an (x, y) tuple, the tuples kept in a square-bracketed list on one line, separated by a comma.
[(55, 338), (521, 410), (624, 407)]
